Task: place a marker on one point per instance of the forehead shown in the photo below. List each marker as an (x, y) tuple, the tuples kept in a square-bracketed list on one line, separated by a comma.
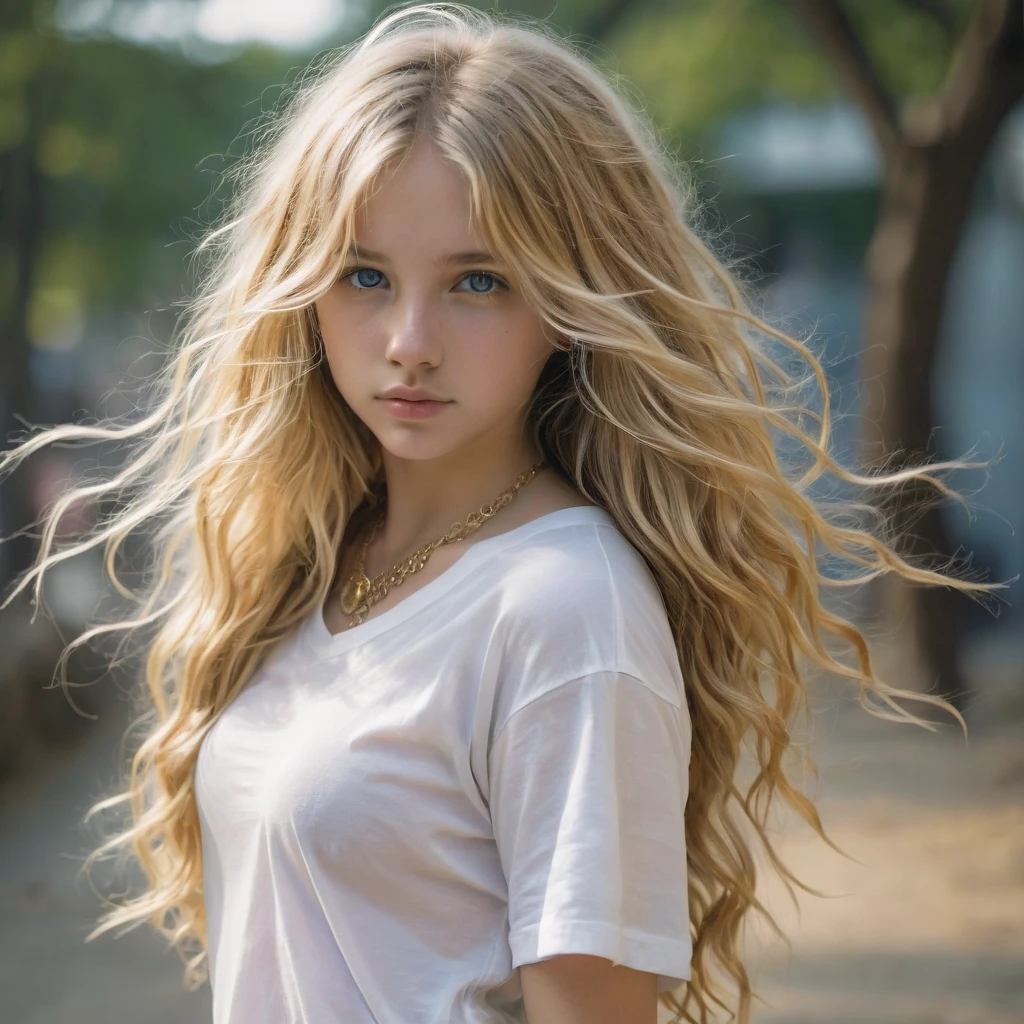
[(420, 204)]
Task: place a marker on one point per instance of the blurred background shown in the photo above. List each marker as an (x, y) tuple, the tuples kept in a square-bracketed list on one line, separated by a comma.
[(862, 164)]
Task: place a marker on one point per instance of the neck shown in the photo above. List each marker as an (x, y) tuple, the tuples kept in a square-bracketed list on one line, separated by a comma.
[(426, 497)]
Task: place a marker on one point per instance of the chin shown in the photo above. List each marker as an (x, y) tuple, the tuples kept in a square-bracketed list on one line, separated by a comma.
[(414, 449)]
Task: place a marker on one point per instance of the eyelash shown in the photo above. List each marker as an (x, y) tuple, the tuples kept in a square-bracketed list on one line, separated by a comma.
[(501, 285)]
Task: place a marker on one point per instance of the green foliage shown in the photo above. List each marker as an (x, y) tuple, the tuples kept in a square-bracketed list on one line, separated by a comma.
[(699, 61), (910, 48), (131, 140)]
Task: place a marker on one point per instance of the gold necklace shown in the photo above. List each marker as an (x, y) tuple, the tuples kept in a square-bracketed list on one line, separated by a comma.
[(360, 593)]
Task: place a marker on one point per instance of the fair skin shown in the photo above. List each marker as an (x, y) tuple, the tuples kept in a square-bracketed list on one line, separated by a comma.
[(400, 314), (404, 312)]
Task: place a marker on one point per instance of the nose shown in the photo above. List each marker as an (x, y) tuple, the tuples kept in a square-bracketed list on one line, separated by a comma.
[(413, 335)]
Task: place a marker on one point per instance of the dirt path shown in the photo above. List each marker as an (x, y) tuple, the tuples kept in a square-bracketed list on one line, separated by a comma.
[(929, 927), (48, 975)]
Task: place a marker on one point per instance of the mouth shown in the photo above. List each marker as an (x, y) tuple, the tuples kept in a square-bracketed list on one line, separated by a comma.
[(414, 409)]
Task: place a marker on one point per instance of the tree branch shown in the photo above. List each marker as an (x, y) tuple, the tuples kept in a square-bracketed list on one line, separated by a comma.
[(987, 75), (939, 11), (828, 20)]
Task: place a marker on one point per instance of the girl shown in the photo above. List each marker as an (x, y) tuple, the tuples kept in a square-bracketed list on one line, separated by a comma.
[(476, 562)]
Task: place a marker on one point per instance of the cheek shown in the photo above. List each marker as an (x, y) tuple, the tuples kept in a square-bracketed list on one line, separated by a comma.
[(501, 367), (524, 349), (345, 338)]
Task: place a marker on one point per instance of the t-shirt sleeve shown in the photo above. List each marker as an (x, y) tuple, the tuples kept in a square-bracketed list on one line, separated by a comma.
[(588, 788)]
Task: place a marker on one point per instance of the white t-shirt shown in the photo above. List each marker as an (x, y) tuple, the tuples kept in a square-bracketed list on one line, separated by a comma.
[(490, 772)]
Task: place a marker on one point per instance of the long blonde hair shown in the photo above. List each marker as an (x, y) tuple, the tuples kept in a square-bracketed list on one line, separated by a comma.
[(658, 403)]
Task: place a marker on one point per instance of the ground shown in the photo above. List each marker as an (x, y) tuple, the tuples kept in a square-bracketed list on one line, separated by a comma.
[(928, 928)]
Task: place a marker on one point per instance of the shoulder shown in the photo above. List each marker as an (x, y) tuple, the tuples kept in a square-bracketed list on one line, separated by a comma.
[(573, 567), (575, 598)]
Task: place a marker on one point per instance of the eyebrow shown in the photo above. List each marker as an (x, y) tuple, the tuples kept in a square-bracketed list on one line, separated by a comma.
[(452, 259)]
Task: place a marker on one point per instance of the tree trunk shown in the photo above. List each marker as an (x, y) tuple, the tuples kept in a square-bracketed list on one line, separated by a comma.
[(926, 198), (21, 221), (932, 152)]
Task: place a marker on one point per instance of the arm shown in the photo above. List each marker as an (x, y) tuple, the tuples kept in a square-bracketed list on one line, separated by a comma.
[(575, 988), (588, 785)]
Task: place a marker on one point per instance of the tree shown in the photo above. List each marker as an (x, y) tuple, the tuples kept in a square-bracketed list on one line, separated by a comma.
[(32, 76), (108, 153), (934, 79), (932, 151)]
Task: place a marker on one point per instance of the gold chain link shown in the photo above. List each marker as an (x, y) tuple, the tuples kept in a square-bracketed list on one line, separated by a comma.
[(360, 593)]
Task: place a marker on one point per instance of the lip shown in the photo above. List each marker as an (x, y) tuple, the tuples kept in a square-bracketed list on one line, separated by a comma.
[(410, 394), (406, 409)]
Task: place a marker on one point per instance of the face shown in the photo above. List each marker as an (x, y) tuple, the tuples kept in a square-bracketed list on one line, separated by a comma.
[(420, 303)]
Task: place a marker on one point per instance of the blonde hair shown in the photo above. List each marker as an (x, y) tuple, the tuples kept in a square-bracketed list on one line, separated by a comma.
[(658, 403)]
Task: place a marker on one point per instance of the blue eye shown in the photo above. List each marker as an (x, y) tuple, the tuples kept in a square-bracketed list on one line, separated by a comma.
[(362, 284), (478, 274), (358, 279)]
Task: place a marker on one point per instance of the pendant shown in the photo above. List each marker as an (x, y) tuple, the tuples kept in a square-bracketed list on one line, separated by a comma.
[(353, 593)]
